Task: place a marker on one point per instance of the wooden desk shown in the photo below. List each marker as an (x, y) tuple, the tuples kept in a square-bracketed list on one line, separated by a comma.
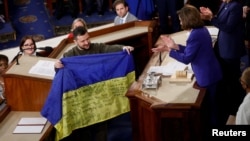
[(173, 113), (25, 91), (9, 123)]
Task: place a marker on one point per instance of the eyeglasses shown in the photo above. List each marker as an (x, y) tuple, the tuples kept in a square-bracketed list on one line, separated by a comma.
[(28, 45)]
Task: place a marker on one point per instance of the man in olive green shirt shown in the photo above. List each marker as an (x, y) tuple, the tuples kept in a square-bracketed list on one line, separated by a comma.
[(85, 47), (96, 132)]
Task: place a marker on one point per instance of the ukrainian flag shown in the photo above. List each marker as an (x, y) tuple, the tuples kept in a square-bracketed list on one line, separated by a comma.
[(88, 90)]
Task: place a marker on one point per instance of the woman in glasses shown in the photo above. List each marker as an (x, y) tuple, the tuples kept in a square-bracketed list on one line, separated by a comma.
[(28, 46)]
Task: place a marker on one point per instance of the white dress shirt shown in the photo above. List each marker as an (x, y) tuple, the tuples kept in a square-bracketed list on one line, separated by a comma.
[(243, 113), (123, 20)]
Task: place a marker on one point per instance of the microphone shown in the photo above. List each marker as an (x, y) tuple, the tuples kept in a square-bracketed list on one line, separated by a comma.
[(160, 58), (47, 48)]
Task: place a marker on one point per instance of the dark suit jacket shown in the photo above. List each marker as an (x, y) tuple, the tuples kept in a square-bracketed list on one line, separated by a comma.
[(247, 20), (230, 23), (199, 52)]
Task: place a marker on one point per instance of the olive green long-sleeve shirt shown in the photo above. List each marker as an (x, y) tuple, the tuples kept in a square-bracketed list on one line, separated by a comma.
[(95, 48)]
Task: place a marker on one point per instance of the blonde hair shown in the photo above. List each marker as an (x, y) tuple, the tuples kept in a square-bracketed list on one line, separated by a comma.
[(246, 76), (78, 20)]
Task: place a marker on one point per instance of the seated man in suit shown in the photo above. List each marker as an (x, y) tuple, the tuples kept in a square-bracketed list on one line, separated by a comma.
[(123, 15)]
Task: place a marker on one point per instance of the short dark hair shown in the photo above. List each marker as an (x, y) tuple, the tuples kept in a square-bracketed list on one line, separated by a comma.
[(116, 2), (23, 41), (4, 58), (190, 17), (78, 31)]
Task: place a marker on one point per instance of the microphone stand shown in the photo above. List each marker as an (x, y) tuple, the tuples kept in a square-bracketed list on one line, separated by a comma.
[(160, 58), (16, 58)]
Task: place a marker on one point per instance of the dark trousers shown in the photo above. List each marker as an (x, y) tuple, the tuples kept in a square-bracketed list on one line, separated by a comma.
[(96, 132), (231, 93), (210, 105), (168, 8)]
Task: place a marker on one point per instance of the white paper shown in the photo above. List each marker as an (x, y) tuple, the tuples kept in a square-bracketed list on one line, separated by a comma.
[(28, 129), (32, 121), (43, 67), (168, 69), (213, 31)]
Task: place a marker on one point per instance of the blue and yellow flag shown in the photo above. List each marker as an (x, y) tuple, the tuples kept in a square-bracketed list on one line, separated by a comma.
[(88, 90)]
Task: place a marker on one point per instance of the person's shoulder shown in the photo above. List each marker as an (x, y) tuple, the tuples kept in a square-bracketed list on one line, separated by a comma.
[(132, 15), (200, 34), (116, 18), (200, 30), (97, 44), (235, 4), (70, 52), (247, 99), (245, 103)]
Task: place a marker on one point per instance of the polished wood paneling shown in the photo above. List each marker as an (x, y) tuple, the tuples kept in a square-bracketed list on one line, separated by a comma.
[(26, 93)]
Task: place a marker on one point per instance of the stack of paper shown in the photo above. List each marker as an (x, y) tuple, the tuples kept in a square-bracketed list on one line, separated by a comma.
[(43, 67), (30, 125), (168, 69)]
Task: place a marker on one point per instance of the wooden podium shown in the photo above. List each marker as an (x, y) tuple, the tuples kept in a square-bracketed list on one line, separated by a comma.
[(25, 91), (25, 94), (169, 113)]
